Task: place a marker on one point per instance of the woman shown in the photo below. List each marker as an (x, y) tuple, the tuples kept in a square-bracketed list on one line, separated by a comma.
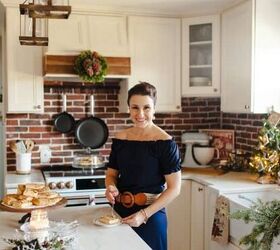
[(143, 173)]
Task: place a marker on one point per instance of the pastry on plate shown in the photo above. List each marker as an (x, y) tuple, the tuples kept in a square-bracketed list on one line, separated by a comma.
[(109, 219)]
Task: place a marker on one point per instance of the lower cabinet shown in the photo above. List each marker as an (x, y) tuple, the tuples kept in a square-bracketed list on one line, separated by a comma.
[(190, 219), (179, 214), (186, 218)]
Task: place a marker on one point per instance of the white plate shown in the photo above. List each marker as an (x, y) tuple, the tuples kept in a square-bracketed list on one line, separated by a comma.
[(26, 227), (99, 223)]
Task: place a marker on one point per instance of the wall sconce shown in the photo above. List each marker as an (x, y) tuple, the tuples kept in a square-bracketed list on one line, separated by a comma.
[(46, 9), (32, 31)]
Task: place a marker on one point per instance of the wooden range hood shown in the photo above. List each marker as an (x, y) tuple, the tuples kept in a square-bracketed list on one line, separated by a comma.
[(63, 66)]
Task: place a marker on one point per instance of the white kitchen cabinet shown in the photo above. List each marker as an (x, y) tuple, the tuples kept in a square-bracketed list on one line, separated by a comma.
[(201, 56), (197, 216), (155, 58), (186, 218), (250, 57), (24, 80), (179, 214), (68, 35), (106, 34)]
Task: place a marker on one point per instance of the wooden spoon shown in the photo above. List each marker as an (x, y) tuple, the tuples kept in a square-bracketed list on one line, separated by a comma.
[(13, 146)]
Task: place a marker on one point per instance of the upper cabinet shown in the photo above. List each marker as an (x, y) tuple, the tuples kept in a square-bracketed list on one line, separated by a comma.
[(24, 81), (106, 34), (250, 57), (155, 58), (68, 35), (201, 56)]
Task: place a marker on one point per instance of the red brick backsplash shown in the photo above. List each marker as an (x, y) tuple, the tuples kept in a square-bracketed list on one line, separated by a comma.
[(246, 128), (196, 113)]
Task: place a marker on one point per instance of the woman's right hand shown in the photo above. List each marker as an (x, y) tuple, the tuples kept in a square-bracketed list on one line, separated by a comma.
[(111, 193)]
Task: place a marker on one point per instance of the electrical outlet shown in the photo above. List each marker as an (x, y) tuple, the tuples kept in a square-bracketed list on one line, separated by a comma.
[(45, 153)]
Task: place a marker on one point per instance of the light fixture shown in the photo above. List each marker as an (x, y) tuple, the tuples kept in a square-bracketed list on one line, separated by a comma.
[(46, 9), (32, 31)]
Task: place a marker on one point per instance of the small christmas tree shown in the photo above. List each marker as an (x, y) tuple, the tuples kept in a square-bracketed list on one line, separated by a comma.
[(266, 159)]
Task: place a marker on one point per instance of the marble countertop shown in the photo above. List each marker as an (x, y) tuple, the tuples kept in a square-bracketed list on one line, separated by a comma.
[(90, 236)]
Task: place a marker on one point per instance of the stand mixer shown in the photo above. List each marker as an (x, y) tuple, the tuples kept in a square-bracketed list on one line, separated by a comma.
[(197, 158)]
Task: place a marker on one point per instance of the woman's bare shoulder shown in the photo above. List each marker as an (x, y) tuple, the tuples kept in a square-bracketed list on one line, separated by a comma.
[(162, 135), (122, 135)]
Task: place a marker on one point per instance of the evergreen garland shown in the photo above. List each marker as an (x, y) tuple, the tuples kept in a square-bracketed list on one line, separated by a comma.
[(266, 216), (55, 243), (90, 66)]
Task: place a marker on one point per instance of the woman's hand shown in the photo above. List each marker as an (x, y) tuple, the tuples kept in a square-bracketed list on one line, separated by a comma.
[(111, 193), (135, 220)]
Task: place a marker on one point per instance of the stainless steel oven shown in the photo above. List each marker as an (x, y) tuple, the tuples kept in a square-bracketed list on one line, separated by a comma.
[(81, 187)]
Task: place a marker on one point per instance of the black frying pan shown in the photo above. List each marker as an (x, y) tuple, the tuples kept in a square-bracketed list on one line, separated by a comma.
[(91, 132), (64, 122)]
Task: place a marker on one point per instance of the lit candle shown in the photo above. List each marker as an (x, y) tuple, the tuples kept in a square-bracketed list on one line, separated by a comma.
[(39, 219)]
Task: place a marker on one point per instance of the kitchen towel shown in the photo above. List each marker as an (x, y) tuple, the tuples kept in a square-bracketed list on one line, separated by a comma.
[(220, 229)]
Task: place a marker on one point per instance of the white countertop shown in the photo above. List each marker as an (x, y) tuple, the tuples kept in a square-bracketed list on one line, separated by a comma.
[(13, 179), (90, 236), (226, 182)]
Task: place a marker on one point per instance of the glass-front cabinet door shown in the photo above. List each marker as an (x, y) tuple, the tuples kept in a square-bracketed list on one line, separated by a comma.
[(201, 58)]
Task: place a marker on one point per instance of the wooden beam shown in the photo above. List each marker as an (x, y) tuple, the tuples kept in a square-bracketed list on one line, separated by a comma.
[(64, 64)]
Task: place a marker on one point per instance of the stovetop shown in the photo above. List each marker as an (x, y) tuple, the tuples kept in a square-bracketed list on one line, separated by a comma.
[(69, 171)]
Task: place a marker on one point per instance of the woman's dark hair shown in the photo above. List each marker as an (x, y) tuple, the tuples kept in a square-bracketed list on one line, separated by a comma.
[(143, 88)]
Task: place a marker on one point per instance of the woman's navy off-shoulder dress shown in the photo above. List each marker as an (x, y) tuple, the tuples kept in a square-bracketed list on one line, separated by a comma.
[(142, 166)]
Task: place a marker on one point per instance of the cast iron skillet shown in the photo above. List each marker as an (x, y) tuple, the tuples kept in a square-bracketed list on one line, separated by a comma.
[(64, 122), (91, 132)]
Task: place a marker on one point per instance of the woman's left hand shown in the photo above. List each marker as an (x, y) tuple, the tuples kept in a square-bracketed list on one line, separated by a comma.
[(134, 220)]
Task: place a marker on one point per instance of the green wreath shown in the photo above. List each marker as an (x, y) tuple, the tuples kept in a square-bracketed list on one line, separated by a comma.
[(90, 66)]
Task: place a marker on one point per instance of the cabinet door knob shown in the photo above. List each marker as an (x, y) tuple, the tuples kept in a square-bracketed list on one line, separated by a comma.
[(215, 89), (200, 189), (247, 106), (37, 107), (178, 107)]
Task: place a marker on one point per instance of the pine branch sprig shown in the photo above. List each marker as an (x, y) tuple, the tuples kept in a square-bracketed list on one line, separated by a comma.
[(266, 217)]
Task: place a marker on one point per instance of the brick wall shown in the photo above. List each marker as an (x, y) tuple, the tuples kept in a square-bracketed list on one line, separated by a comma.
[(246, 128), (196, 113)]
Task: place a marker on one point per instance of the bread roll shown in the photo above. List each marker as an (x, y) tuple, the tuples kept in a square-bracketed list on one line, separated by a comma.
[(21, 204), (47, 195), (17, 201), (30, 192), (9, 198), (46, 201), (20, 188), (36, 186)]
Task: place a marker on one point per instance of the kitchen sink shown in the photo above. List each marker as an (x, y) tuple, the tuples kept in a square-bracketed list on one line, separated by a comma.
[(242, 200)]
